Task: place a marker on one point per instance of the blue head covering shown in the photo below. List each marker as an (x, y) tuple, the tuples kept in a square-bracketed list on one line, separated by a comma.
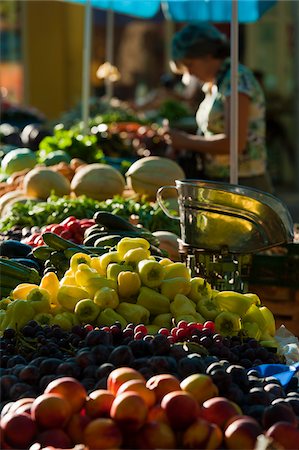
[(197, 39)]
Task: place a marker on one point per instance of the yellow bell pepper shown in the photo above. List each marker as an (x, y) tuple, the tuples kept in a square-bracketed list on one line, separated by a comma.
[(165, 262), (163, 320), (18, 313), (133, 313), (200, 289), (153, 301), (108, 317), (39, 299), (254, 297), (152, 328), (106, 297), (114, 269), (107, 258), (87, 311), (79, 258), (128, 284), (95, 263), (173, 286), (22, 290), (269, 319), (63, 321), (97, 283), (233, 302), (252, 330), (254, 315), (133, 256), (84, 274), (182, 305), (151, 273), (50, 282), (128, 243), (70, 281), (43, 318), (4, 303), (175, 270), (68, 296)]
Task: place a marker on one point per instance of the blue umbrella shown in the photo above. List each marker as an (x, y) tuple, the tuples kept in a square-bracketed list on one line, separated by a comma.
[(231, 11)]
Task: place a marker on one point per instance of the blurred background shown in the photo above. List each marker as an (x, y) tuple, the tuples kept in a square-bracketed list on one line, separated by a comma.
[(41, 67)]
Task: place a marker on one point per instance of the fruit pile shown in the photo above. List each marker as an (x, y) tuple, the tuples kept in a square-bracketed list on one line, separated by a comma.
[(134, 412), (129, 285), (154, 358)]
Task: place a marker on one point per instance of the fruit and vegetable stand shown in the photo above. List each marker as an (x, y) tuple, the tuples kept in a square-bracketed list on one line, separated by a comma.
[(121, 330)]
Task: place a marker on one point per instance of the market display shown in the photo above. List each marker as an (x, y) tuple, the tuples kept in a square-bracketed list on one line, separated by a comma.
[(110, 336)]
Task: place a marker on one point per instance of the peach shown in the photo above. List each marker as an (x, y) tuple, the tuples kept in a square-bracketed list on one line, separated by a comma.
[(219, 410), (138, 386), (18, 404), (162, 384), (155, 435), (201, 387), (120, 375), (102, 433), (129, 410), (55, 438), (51, 411), (242, 433), (99, 403), (284, 434), (202, 434), (76, 426), (19, 430), (181, 409), (69, 388), (157, 414)]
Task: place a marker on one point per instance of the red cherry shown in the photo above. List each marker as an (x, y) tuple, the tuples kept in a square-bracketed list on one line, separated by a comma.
[(142, 328), (210, 325), (182, 324), (164, 331)]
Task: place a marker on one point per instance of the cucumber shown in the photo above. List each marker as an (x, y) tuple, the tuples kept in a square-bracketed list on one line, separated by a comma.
[(113, 221), (43, 252), (109, 241), (27, 262), (21, 273), (93, 229), (14, 249), (58, 243)]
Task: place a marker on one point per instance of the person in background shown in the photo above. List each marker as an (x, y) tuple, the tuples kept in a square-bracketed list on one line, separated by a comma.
[(201, 50)]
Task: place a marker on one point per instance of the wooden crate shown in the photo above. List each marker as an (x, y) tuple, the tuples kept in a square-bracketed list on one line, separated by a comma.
[(283, 302)]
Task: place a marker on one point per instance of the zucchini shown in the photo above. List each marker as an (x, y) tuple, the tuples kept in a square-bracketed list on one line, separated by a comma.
[(113, 221), (42, 252), (18, 271), (58, 243), (93, 229), (90, 241), (111, 240), (14, 249), (27, 262)]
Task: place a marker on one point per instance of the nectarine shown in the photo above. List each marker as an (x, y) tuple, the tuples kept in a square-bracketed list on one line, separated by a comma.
[(51, 411), (102, 433), (201, 387), (162, 384), (120, 375), (202, 434), (69, 388), (242, 433), (181, 409), (129, 410), (19, 430)]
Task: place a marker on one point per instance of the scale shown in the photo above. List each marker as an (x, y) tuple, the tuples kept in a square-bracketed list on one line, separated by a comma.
[(223, 225)]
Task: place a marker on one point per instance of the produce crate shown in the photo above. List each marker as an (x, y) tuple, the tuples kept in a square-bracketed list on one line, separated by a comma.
[(282, 301)]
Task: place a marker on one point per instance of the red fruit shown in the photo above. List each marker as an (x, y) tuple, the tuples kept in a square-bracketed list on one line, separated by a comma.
[(141, 328), (19, 430), (164, 331), (73, 226), (66, 234), (173, 331), (138, 336), (181, 333), (182, 324), (49, 227), (57, 229), (67, 220), (210, 325)]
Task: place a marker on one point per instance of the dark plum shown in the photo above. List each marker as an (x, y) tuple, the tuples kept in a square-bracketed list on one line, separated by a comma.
[(121, 356)]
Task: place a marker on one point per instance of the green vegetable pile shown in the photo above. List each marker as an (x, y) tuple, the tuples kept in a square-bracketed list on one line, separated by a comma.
[(56, 209)]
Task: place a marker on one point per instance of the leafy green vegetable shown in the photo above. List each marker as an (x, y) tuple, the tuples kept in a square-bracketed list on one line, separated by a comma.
[(56, 209), (73, 142)]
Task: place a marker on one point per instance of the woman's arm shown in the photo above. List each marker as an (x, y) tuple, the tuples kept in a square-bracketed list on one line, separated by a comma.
[(218, 143)]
